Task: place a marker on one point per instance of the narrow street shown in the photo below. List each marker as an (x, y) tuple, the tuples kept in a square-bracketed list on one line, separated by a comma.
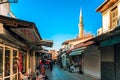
[(60, 74), (59, 40)]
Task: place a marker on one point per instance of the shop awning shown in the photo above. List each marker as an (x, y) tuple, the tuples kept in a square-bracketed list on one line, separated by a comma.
[(6, 35), (111, 41), (23, 32), (48, 43), (77, 52), (29, 34)]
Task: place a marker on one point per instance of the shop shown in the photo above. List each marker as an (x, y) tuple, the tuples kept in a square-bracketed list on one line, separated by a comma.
[(18, 40), (110, 58), (64, 60), (8, 66), (92, 61), (75, 57), (109, 44)]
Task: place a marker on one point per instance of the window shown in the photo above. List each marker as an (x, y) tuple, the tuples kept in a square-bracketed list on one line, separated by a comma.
[(15, 60), (1, 61), (7, 62), (114, 17)]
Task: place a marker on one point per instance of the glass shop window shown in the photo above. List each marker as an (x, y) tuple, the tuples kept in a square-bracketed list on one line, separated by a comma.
[(15, 61), (1, 61), (7, 62)]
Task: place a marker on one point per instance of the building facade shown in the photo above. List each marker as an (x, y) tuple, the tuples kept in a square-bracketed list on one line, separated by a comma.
[(19, 41), (108, 39)]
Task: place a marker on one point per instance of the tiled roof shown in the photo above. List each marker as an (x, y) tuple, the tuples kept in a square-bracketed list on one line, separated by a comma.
[(77, 39)]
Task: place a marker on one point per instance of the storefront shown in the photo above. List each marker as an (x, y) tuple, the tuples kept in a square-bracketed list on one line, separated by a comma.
[(75, 57), (109, 44), (110, 58), (8, 63), (92, 61), (17, 40), (64, 60)]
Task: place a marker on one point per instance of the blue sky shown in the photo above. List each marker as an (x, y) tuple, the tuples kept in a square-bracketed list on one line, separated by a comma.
[(58, 20)]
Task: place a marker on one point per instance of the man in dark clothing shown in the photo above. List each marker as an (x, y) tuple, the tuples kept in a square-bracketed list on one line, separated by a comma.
[(51, 64)]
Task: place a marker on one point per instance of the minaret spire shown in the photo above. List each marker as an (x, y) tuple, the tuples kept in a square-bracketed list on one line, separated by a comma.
[(80, 12), (80, 25)]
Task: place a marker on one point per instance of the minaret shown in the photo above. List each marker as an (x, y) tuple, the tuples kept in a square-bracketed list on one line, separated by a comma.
[(80, 25)]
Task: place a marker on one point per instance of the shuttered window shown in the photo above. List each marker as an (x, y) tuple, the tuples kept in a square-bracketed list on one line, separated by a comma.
[(114, 17)]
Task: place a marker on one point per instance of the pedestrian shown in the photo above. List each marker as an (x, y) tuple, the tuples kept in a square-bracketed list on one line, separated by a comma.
[(42, 75), (80, 67), (40, 63), (46, 64), (51, 64)]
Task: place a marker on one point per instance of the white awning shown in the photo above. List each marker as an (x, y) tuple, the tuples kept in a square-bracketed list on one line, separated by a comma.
[(73, 53), (63, 54)]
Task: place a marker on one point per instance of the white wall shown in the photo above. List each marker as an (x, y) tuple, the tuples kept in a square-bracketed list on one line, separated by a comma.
[(106, 21), (91, 62)]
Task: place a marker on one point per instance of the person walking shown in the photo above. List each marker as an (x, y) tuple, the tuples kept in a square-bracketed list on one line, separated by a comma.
[(51, 64)]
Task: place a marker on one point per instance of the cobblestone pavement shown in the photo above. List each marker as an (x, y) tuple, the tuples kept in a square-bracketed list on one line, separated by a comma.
[(60, 74)]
